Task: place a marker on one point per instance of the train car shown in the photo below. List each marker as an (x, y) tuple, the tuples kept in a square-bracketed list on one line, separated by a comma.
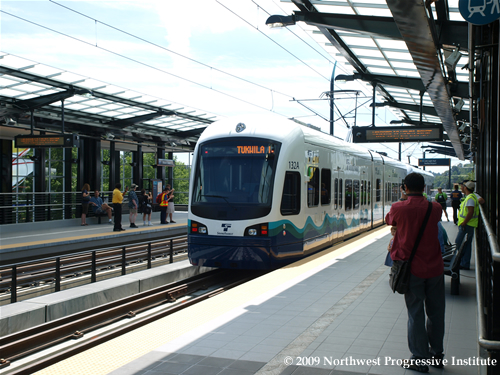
[(266, 191)]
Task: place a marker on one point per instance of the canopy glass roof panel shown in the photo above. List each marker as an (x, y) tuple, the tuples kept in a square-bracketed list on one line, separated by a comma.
[(381, 56), (22, 79)]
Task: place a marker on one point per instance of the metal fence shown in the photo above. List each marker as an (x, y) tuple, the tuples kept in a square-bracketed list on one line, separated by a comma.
[(31, 206), (52, 271), (488, 292)]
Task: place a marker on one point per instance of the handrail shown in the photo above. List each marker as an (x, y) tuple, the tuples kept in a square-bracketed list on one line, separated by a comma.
[(492, 239), (495, 255)]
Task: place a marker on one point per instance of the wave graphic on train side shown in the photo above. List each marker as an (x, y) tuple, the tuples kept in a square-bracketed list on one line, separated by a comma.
[(266, 191)]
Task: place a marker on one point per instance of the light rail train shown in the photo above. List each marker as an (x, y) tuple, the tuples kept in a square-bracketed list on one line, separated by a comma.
[(266, 191)]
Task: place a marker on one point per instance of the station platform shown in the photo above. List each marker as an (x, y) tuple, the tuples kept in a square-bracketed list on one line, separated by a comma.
[(331, 313), (27, 241)]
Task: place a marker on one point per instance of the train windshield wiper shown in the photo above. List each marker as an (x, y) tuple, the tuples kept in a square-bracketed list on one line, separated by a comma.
[(219, 196)]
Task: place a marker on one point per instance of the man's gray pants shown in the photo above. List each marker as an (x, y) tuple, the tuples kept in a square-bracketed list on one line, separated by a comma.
[(425, 297)]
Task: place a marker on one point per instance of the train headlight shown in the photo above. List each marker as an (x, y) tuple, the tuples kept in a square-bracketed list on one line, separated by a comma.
[(258, 230), (198, 228)]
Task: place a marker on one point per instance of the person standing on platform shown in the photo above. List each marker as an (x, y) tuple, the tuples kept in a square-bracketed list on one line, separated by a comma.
[(426, 290), (441, 198), (162, 199), (170, 207), (468, 220), (100, 207), (85, 203), (117, 205), (133, 205), (145, 202), (456, 198)]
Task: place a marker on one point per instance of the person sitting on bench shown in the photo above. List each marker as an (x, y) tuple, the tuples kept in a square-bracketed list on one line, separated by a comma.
[(98, 207)]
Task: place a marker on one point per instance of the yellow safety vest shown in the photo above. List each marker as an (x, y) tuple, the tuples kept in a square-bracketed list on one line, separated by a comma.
[(462, 213), (163, 202)]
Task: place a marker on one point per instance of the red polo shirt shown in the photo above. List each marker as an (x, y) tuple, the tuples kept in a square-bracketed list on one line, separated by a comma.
[(408, 216)]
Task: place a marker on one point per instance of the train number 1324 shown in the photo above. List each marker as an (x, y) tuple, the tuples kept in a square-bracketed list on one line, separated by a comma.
[(293, 165)]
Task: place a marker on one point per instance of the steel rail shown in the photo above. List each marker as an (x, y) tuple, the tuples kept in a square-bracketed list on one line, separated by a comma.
[(22, 344)]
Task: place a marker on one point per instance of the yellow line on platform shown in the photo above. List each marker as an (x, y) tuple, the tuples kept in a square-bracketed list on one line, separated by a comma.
[(117, 352), (77, 238)]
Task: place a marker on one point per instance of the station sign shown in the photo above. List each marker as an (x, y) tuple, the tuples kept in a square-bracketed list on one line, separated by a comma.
[(165, 163), (382, 134), (41, 141), (479, 12), (442, 162)]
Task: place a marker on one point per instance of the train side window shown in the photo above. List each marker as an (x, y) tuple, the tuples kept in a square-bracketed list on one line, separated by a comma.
[(313, 189), (355, 194), (395, 192), (378, 186), (326, 188), (341, 193), (348, 195), (369, 192), (290, 201), (387, 192), (363, 192), (336, 193)]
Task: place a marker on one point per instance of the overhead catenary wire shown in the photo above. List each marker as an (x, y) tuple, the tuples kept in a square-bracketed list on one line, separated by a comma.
[(272, 40), (165, 49), (141, 63)]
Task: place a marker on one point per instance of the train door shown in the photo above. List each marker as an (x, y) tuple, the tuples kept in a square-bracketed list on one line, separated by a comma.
[(338, 202)]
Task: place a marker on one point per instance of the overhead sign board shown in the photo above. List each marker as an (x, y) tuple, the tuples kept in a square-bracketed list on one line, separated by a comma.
[(396, 134), (165, 163), (38, 141), (479, 12), (434, 162)]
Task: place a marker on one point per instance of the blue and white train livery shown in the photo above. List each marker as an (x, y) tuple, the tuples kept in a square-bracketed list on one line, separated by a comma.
[(266, 191)]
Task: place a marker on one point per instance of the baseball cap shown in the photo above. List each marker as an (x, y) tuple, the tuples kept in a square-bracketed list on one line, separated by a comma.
[(133, 186), (469, 185)]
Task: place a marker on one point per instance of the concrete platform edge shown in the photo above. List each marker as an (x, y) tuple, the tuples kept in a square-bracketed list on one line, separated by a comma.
[(30, 313)]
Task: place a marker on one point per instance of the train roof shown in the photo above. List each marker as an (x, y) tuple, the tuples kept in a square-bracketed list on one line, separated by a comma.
[(281, 129)]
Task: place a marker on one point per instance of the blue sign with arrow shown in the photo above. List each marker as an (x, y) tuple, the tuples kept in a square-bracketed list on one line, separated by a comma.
[(479, 12)]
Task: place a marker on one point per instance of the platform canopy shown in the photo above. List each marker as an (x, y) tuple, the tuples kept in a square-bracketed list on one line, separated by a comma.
[(414, 52), (60, 100)]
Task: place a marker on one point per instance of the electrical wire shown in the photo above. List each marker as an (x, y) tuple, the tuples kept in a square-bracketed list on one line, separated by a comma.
[(290, 30), (165, 49), (141, 63), (272, 40)]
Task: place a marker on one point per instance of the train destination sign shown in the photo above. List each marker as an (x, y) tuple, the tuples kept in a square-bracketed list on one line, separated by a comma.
[(396, 134), (434, 162), (39, 141)]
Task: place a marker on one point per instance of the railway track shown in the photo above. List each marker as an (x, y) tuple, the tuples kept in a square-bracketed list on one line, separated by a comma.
[(32, 279), (20, 352)]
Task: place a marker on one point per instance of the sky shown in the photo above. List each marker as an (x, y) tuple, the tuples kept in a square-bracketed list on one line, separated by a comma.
[(217, 56)]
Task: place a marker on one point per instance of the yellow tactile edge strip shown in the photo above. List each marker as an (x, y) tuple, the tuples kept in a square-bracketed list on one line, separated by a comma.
[(72, 239), (118, 352)]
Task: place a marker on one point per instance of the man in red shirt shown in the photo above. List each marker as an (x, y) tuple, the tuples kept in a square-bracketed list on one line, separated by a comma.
[(426, 293)]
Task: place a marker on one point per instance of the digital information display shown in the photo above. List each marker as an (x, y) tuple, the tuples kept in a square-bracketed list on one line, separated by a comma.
[(434, 162), (40, 141), (396, 134), (254, 149)]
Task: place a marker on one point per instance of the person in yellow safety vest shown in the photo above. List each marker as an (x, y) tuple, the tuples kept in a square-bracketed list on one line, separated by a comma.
[(468, 220), (163, 206)]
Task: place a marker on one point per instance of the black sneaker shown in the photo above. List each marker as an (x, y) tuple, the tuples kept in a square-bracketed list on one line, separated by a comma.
[(133, 226), (415, 365), (437, 360), (172, 221)]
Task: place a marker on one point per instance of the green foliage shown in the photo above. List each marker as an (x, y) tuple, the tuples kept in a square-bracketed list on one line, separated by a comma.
[(181, 182), (458, 174)]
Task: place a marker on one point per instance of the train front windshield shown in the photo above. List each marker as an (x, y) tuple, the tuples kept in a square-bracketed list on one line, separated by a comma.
[(234, 179)]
